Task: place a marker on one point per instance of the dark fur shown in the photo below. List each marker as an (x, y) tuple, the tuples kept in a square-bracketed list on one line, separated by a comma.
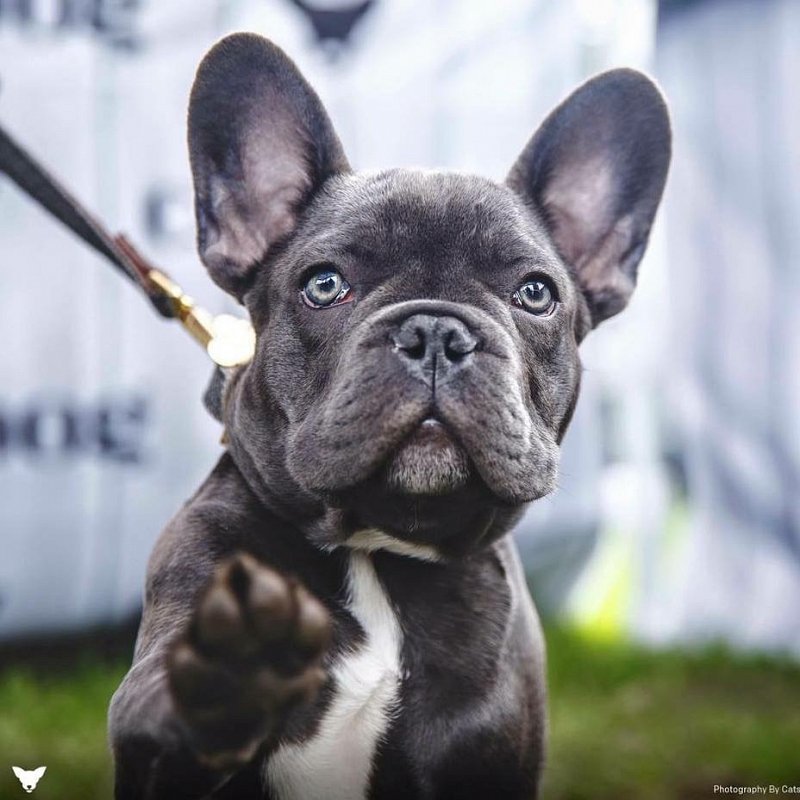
[(324, 426)]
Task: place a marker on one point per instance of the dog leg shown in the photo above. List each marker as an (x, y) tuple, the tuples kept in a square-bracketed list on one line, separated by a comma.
[(194, 711)]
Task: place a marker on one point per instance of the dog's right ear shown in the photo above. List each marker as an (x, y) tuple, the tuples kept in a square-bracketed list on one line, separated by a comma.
[(260, 144)]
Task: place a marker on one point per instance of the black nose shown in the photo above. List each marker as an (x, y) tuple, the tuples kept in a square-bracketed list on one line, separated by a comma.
[(432, 348)]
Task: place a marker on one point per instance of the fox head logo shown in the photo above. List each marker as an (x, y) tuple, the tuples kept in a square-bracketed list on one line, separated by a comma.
[(29, 777)]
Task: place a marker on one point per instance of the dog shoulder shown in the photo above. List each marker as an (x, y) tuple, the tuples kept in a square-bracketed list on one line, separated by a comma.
[(211, 526), (206, 529)]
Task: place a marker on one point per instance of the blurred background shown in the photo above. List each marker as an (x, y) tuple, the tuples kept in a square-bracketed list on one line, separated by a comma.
[(667, 565)]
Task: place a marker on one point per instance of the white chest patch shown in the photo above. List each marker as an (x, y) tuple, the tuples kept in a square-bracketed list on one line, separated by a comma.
[(336, 763)]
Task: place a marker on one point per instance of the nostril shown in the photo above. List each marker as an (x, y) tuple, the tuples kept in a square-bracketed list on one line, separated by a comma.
[(458, 344), (411, 341), (416, 351)]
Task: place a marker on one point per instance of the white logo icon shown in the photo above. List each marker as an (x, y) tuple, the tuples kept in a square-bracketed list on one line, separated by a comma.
[(29, 777)]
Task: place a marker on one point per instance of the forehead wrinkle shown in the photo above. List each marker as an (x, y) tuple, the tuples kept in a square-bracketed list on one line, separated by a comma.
[(427, 215), (439, 207), (404, 191)]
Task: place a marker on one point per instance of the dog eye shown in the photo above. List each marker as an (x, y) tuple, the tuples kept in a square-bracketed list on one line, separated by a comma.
[(325, 288), (537, 297)]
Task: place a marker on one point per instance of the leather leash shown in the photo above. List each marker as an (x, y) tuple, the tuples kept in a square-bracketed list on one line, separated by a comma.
[(228, 340)]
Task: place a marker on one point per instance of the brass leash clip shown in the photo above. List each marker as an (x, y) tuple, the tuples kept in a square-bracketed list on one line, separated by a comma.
[(229, 341)]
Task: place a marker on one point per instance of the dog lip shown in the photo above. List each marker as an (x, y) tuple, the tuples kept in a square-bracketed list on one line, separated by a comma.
[(432, 431), (432, 426)]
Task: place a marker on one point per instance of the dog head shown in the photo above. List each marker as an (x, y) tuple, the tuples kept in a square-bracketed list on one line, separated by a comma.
[(417, 332)]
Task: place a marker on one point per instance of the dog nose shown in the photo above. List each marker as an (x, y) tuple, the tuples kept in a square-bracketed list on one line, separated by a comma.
[(433, 347)]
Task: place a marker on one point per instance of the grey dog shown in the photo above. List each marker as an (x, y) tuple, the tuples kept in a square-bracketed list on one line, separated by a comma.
[(339, 612)]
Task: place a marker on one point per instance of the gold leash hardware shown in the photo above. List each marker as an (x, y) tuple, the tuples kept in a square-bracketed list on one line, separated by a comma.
[(229, 341)]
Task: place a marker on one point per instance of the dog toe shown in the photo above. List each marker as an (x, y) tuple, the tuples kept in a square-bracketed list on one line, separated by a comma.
[(313, 626), (219, 623), (270, 605), (196, 681)]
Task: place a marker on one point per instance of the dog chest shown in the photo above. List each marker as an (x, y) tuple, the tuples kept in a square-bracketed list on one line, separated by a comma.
[(336, 763)]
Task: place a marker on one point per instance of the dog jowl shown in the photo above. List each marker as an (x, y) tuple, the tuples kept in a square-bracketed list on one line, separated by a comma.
[(339, 613)]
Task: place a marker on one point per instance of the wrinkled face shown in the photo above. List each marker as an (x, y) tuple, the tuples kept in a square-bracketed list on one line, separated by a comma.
[(417, 360), (400, 337)]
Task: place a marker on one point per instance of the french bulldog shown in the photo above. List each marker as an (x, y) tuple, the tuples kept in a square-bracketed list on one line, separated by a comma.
[(339, 612)]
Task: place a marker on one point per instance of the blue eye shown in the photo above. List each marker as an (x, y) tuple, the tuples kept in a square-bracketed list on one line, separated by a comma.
[(325, 288), (536, 297)]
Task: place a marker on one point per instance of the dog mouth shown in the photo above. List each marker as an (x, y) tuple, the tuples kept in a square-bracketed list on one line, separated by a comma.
[(430, 461)]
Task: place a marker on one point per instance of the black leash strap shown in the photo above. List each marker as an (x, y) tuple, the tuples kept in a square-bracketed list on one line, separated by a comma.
[(228, 341), (36, 182)]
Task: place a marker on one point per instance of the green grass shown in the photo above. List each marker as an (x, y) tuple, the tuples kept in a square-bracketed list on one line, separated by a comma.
[(630, 723), (625, 723), (58, 721)]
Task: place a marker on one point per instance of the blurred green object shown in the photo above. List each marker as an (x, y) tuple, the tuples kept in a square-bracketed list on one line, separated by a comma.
[(625, 722), (58, 721)]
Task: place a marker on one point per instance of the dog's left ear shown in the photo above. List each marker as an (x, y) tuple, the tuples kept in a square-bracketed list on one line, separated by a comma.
[(595, 170), (260, 145)]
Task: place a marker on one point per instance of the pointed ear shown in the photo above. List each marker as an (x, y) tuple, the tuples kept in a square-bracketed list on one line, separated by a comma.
[(260, 145), (595, 170), (19, 772), (38, 772)]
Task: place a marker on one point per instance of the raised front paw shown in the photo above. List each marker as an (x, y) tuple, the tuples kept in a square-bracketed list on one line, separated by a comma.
[(252, 653)]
